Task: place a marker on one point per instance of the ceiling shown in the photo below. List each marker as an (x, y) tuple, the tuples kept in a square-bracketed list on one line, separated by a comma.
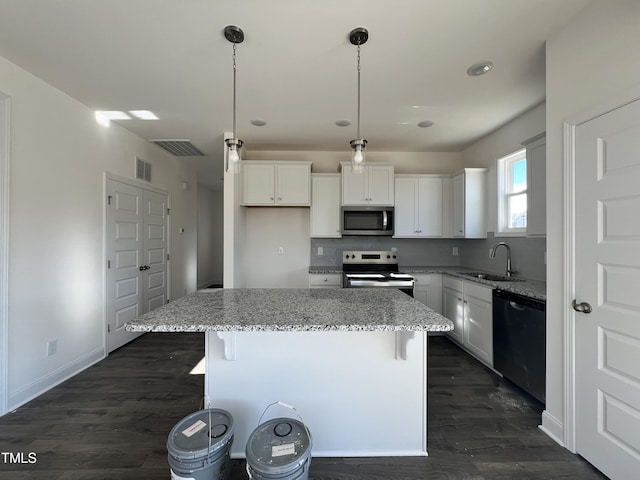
[(296, 69)]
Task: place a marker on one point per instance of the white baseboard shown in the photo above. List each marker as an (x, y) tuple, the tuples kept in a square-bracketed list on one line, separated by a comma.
[(553, 427), (47, 382)]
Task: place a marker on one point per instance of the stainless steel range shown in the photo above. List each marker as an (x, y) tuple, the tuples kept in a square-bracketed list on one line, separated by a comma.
[(374, 269)]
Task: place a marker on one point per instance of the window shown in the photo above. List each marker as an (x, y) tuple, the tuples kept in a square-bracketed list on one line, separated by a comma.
[(512, 193)]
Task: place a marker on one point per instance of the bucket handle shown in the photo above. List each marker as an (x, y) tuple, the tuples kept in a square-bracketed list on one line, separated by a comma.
[(290, 407)]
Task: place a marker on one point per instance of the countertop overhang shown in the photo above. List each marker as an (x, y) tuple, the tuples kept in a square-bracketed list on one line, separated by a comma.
[(286, 309)]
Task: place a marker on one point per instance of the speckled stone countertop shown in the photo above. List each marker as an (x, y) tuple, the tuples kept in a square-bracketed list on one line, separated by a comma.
[(325, 270), (529, 288), (292, 309)]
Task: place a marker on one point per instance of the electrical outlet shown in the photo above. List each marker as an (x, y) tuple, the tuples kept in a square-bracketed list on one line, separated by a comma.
[(394, 249), (280, 250), (320, 251), (454, 251), (52, 347)]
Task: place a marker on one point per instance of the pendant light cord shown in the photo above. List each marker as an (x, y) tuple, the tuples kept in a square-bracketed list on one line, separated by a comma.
[(234, 90), (358, 136)]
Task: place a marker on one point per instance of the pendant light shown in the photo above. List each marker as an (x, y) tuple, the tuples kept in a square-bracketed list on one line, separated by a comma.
[(358, 37), (235, 35)]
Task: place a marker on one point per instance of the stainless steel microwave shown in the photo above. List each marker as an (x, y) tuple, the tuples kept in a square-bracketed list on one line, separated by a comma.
[(366, 220)]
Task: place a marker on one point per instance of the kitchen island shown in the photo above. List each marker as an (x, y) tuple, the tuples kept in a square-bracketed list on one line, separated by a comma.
[(352, 361)]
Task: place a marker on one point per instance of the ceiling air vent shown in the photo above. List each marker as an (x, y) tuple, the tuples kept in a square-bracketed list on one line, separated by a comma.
[(179, 148), (143, 170)]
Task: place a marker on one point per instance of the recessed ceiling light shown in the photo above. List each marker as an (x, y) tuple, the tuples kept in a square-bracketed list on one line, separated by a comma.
[(143, 114), (479, 69), (425, 124), (113, 114), (258, 123), (343, 123)]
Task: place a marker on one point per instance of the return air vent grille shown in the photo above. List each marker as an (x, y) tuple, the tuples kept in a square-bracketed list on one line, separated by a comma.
[(143, 170), (179, 148)]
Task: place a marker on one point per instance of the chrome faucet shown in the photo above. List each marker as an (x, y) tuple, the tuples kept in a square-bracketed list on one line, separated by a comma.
[(492, 254)]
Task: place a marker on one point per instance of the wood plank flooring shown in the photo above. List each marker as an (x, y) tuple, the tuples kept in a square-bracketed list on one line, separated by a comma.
[(112, 421)]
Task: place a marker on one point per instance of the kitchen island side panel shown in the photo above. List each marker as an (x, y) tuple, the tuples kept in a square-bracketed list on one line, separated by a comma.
[(354, 396)]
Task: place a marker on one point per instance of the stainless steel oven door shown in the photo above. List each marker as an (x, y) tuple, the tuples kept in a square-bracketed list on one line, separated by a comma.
[(404, 283)]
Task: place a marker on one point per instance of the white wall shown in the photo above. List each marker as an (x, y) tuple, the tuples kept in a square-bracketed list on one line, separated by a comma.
[(500, 143), (210, 236), (56, 270), (267, 230), (589, 62)]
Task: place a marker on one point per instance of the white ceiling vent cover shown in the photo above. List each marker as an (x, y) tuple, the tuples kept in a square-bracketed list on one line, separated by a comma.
[(179, 148), (143, 170)]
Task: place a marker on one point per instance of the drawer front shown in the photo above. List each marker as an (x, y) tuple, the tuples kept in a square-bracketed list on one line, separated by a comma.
[(325, 280), (478, 291), (452, 283)]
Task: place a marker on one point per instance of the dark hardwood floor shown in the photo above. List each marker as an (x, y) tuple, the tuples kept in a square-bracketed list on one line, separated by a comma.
[(112, 421)]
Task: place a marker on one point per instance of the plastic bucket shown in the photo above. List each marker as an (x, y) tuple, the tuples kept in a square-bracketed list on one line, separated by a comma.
[(279, 449), (199, 445)]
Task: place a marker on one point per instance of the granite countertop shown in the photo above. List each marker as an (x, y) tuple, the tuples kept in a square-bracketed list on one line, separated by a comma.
[(529, 288), (286, 309)]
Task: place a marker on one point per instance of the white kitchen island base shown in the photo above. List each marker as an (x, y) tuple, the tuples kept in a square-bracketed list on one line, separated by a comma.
[(355, 397), (353, 361)]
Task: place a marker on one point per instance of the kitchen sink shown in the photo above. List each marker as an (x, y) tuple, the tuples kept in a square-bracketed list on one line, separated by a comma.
[(491, 277)]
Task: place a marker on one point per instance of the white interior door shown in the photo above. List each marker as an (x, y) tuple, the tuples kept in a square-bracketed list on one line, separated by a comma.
[(154, 278), (607, 273), (136, 246)]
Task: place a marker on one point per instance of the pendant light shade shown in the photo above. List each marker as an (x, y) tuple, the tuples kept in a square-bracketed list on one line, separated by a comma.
[(358, 37), (234, 35)]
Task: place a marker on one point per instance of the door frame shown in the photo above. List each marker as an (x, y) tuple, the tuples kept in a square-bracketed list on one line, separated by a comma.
[(5, 153), (569, 235), (144, 186)]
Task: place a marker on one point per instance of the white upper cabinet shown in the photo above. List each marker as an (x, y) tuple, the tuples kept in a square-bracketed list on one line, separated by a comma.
[(325, 205), (276, 183), (536, 186), (418, 206), (375, 186), (469, 203)]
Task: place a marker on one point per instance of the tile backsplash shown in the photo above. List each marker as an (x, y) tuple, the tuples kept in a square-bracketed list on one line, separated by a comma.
[(527, 254)]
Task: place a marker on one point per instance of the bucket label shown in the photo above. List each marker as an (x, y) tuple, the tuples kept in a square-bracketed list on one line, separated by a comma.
[(193, 429), (282, 450)]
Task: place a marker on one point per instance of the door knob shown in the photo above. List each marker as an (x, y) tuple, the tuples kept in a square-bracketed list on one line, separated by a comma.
[(144, 267), (582, 307)]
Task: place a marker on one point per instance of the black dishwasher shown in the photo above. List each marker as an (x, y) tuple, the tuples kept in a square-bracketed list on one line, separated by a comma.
[(519, 341)]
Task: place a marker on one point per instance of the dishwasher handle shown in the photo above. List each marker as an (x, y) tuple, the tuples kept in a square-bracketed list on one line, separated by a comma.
[(519, 302), (517, 306)]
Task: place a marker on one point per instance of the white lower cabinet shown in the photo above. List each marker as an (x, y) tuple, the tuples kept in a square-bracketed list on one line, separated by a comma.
[(469, 306), (428, 290), (325, 280)]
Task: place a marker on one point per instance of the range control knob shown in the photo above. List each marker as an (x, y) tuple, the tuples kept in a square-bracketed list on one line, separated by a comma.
[(388, 256), (395, 256), (353, 256)]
